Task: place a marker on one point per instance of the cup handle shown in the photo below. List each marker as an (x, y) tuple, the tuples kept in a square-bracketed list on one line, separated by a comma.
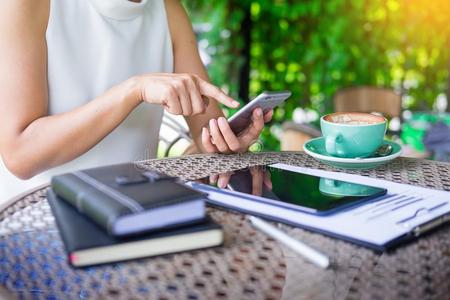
[(331, 142)]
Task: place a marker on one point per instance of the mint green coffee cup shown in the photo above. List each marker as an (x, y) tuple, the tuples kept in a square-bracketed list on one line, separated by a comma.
[(351, 135), (337, 188)]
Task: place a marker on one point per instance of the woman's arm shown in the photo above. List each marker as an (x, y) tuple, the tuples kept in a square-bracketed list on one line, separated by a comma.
[(187, 60), (31, 141), (219, 137)]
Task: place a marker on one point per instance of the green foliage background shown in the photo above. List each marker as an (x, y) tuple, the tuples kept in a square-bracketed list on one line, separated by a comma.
[(316, 47)]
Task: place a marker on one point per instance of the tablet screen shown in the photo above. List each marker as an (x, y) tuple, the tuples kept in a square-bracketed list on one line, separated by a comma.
[(314, 194)]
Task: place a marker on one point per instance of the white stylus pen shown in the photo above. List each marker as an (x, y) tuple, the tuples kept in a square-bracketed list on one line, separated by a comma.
[(309, 253)]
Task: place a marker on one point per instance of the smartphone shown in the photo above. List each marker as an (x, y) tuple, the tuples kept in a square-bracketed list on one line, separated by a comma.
[(266, 101), (299, 191)]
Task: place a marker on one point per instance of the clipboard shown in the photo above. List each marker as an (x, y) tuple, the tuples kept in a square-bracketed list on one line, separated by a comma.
[(407, 213)]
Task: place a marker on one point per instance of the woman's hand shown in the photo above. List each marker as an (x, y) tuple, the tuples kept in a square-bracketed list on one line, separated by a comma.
[(220, 138), (180, 94), (261, 180)]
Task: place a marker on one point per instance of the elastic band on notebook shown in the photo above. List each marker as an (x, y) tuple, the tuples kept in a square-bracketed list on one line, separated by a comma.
[(121, 198)]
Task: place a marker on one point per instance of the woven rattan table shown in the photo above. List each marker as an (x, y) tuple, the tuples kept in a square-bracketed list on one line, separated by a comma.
[(249, 266)]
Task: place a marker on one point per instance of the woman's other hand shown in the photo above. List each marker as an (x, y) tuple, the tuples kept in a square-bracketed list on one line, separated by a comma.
[(220, 138), (260, 180), (180, 94)]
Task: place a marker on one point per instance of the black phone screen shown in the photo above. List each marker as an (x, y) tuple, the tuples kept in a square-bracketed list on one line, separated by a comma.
[(304, 191)]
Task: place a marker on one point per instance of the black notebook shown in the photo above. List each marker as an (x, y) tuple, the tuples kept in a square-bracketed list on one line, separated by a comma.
[(126, 200), (87, 244)]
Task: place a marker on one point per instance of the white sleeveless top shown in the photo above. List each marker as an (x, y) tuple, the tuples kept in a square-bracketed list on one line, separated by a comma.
[(93, 45)]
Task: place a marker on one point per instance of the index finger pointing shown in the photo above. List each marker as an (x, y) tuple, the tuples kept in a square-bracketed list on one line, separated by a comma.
[(257, 182), (212, 91)]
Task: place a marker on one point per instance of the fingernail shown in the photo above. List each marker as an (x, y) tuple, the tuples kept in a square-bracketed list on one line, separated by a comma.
[(258, 112), (220, 183), (235, 103), (222, 120), (204, 130)]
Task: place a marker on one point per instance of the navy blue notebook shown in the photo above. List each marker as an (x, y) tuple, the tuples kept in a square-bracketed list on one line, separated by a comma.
[(88, 244)]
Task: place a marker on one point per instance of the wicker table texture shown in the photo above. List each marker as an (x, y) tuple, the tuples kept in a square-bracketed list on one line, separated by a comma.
[(249, 266)]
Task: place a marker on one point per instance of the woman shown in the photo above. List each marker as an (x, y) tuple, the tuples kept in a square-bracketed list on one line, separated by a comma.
[(85, 82)]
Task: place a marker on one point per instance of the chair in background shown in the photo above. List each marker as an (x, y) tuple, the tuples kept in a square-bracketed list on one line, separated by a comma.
[(294, 135), (174, 135), (368, 99), (361, 99)]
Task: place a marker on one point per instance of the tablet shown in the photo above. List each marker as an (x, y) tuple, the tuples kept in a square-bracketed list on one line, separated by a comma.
[(298, 191)]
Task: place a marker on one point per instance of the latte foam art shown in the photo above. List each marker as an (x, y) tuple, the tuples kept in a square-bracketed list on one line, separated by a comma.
[(351, 120)]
